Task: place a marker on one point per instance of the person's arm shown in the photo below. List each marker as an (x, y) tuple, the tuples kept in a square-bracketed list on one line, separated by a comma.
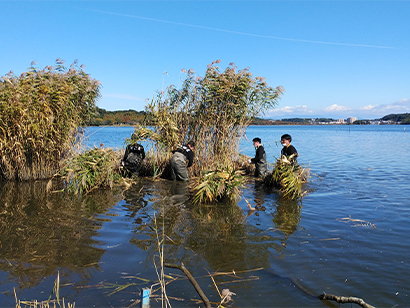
[(190, 158), (127, 151), (258, 155), (292, 150)]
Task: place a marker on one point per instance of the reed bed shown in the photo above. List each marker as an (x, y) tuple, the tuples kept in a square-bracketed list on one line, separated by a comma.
[(156, 161), (40, 112), (214, 111)]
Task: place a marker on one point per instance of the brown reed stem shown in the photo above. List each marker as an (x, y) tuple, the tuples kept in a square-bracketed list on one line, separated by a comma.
[(345, 300), (182, 268)]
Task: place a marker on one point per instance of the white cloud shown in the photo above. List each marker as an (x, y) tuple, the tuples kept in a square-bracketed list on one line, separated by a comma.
[(400, 106), (288, 109), (336, 107), (368, 107), (337, 111)]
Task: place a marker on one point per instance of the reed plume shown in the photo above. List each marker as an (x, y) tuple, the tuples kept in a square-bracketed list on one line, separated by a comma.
[(40, 112)]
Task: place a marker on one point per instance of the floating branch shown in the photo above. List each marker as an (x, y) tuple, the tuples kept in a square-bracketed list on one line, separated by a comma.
[(345, 300), (192, 280)]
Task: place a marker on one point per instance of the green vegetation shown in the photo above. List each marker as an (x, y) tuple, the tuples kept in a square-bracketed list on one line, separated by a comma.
[(133, 117), (40, 113), (361, 122), (92, 169), (288, 176), (120, 117), (297, 120), (219, 184), (403, 118)]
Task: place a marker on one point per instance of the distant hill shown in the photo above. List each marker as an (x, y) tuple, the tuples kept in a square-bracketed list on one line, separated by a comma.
[(402, 118), (133, 117), (120, 117)]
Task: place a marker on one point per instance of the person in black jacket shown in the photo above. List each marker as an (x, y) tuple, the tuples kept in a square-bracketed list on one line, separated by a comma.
[(182, 159), (260, 158), (288, 150), (132, 161)]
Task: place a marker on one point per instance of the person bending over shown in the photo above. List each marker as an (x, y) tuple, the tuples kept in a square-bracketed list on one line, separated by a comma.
[(133, 157), (182, 159)]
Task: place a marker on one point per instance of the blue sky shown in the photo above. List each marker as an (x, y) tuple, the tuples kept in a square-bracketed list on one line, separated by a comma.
[(334, 58)]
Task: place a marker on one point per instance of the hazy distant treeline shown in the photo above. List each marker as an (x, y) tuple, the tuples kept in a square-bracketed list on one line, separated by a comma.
[(403, 118), (133, 117), (120, 117)]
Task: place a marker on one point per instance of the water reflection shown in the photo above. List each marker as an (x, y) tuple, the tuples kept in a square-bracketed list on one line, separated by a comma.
[(218, 233), (44, 232), (286, 217)]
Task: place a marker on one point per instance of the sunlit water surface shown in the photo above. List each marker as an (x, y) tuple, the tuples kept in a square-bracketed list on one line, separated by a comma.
[(349, 236)]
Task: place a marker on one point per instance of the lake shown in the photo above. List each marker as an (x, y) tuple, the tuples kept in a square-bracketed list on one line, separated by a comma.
[(349, 236)]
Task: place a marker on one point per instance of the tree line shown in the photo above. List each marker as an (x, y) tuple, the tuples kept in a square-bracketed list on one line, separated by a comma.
[(132, 117)]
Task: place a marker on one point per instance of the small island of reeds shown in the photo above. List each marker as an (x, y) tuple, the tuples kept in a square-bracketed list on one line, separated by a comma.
[(42, 110)]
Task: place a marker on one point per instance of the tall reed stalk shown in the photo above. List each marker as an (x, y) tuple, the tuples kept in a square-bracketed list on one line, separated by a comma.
[(40, 112), (214, 111)]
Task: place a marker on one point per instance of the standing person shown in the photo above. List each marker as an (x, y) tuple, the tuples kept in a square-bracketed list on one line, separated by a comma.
[(133, 156), (260, 158), (182, 159), (288, 149)]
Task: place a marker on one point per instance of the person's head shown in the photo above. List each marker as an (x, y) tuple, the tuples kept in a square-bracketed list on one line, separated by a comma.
[(191, 145), (285, 139), (256, 142)]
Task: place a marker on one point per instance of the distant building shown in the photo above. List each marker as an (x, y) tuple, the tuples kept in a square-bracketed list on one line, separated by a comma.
[(350, 120), (341, 121)]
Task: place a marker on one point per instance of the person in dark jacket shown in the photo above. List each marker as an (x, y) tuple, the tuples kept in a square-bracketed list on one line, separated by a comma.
[(288, 150), (260, 158), (133, 157), (182, 159)]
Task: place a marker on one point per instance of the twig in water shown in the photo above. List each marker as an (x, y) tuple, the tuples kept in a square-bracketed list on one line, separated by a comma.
[(345, 300), (192, 280)]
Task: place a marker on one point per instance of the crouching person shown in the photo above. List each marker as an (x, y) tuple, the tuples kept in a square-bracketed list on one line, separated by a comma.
[(181, 161), (132, 161)]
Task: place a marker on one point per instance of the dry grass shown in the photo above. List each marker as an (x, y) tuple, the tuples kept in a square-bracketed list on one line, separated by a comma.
[(288, 177), (97, 167), (47, 303), (40, 112), (214, 111), (220, 184)]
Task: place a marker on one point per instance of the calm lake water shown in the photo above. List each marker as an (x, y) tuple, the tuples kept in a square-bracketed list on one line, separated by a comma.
[(349, 236)]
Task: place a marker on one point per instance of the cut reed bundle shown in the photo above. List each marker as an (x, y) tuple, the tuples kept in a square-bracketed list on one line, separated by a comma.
[(97, 167), (220, 184), (289, 177)]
